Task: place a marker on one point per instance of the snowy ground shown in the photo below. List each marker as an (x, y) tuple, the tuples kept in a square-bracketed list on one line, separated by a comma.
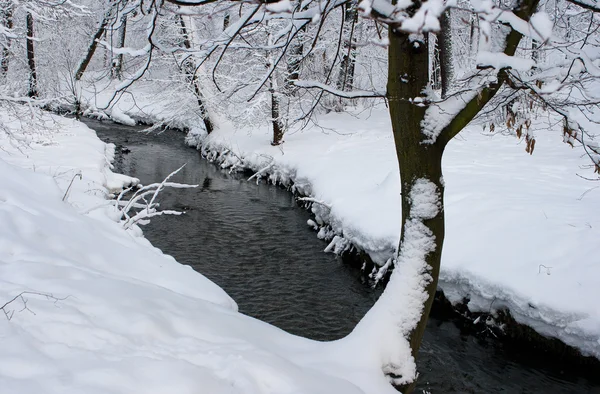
[(102, 311), (522, 231)]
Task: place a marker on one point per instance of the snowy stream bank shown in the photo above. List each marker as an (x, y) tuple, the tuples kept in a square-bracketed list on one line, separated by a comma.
[(252, 240), (519, 227)]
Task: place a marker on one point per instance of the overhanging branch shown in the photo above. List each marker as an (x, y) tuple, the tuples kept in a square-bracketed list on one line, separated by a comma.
[(523, 11)]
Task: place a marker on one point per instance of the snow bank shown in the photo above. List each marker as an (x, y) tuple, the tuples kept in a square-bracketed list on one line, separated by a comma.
[(521, 232), (158, 102), (102, 311)]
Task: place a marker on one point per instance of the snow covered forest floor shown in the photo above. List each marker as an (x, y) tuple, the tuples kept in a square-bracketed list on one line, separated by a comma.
[(90, 307), (521, 230)]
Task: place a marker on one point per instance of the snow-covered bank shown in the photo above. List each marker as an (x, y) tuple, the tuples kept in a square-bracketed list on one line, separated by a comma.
[(521, 230), (102, 311)]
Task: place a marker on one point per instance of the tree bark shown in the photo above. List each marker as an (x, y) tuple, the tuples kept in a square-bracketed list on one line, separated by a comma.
[(407, 78), (94, 43), (294, 59), (278, 127), (445, 47), (473, 34), (189, 68), (421, 159), (347, 66), (226, 19), (117, 63), (33, 91), (6, 16)]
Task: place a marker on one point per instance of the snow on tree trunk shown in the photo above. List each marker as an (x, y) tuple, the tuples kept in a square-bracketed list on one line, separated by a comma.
[(399, 318)]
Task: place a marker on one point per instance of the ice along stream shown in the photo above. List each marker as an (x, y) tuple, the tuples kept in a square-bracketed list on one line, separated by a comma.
[(253, 241)]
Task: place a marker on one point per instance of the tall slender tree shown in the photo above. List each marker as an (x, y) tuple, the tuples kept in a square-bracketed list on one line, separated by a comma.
[(190, 68), (33, 88)]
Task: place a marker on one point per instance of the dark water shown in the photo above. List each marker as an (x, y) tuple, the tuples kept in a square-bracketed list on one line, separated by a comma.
[(254, 242)]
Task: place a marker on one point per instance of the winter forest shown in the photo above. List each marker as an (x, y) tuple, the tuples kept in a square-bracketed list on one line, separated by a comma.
[(299, 196)]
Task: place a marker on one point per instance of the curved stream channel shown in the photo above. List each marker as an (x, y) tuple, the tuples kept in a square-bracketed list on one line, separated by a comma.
[(253, 241)]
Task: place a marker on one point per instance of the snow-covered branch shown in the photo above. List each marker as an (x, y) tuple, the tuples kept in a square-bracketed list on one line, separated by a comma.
[(336, 92), (147, 209)]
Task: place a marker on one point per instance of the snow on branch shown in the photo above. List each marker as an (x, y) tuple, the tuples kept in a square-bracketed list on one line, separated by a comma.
[(591, 5), (336, 92), (402, 18), (147, 209), (126, 51)]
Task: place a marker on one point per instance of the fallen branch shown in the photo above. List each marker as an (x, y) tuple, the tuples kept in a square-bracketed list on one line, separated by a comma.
[(9, 314)]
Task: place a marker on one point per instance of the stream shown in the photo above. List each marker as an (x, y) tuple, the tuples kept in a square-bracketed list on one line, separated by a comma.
[(253, 241)]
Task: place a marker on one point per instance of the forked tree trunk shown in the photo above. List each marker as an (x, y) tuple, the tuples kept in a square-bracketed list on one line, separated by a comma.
[(6, 16), (418, 161), (33, 90)]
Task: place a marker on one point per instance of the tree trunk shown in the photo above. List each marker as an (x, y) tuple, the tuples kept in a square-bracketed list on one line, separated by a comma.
[(347, 66), (189, 68), (226, 19), (276, 116), (117, 63), (418, 161), (435, 77), (33, 92), (6, 16), (278, 127), (474, 34), (294, 59), (445, 47), (94, 44)]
